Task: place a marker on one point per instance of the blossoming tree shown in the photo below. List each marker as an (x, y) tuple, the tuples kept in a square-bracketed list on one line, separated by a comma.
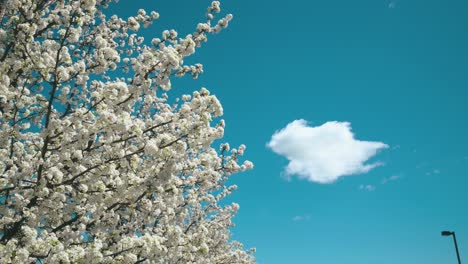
[(96, 166)]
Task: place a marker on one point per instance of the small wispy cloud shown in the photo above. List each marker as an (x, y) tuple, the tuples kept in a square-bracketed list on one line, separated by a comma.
[(385, 180), (390, 179), (433, 172), (323, 153), (298, 218), (392, 4), (421, 165), (367, 187)]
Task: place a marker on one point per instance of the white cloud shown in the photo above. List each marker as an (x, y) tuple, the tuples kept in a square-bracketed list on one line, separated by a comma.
[(421, 165), (298, 218), (324, 153), (368, 187), (390, 179), (433, 172), (392, 4)]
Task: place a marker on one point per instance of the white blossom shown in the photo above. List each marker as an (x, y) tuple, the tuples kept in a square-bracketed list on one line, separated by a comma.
[(133, 24), (97, 166)]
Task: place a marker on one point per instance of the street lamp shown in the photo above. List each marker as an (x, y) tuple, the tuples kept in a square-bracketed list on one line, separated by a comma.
[(449, 233)]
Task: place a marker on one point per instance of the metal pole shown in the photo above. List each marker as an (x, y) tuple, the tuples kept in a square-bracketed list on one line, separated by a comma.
[(456, 247)]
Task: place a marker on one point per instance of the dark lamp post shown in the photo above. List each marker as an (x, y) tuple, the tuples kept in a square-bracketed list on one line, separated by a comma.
[(449, 233)]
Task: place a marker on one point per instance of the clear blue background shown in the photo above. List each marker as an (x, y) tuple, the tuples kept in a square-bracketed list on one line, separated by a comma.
[(399, 75)]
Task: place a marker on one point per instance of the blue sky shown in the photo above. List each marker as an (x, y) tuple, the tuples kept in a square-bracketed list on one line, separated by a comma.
[(397, 71)]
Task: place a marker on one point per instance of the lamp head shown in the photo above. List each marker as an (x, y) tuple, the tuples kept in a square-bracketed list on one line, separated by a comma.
[(446, 233)]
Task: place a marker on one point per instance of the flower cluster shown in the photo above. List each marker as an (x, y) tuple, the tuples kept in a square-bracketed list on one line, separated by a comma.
[(96, 166)]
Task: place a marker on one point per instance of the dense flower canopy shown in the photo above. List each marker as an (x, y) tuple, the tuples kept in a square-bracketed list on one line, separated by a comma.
[(96, 166)]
